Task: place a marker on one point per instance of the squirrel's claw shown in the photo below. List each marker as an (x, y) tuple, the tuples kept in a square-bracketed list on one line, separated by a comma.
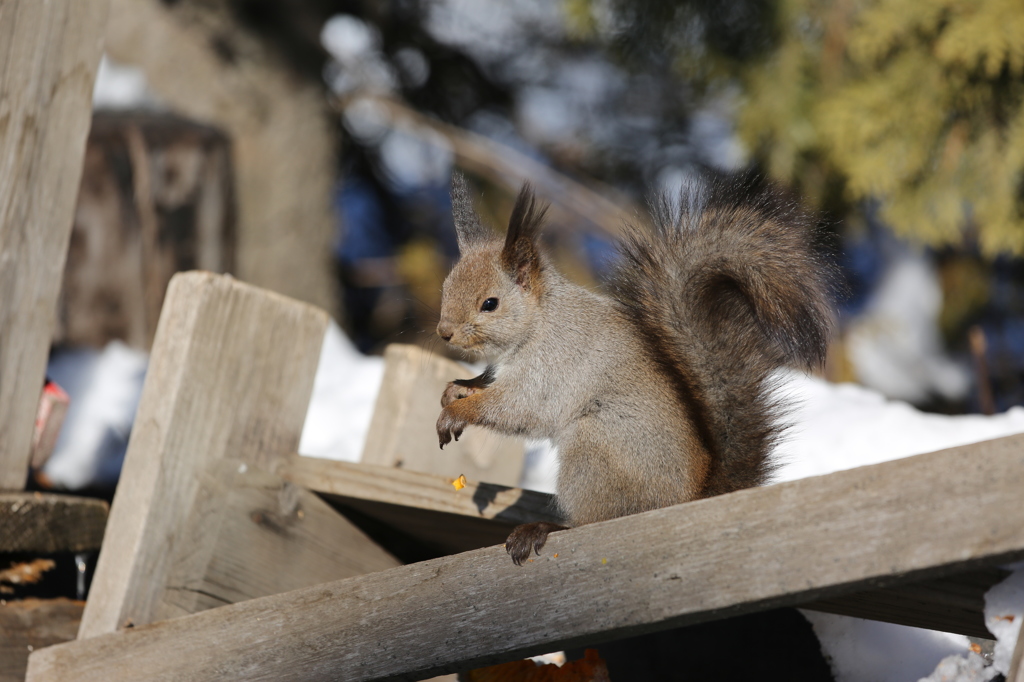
[(449, 426), (528, 536)]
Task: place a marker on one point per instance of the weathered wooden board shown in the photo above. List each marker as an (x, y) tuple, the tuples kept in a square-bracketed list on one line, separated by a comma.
[(419, 490), (49, 52), (428, 509), (402, 432), (872, 527), (47, 523), (231, 374), (30, 624), (953, 603), (251, 534), (424, 506)]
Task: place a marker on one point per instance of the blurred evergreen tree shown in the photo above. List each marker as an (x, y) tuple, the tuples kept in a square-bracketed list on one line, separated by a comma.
[(917, 104)]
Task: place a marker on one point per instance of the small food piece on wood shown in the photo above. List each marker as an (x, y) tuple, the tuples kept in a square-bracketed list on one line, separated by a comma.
[(460, 482)]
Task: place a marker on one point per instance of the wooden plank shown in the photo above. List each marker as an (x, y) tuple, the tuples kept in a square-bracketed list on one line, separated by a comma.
[(30, 624), (48, 523), (231, 374), (49, 52), (253, 534), (427, 508), (954, 603), (791, 543), (402, 431), (423, 506), (419, 490)]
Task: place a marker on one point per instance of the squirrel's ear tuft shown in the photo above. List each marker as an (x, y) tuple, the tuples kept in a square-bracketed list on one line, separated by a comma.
[(468, 229), (521, 254)]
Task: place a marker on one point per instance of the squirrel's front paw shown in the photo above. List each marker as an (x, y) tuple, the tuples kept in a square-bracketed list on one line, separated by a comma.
[(449, 426), (455, 392)]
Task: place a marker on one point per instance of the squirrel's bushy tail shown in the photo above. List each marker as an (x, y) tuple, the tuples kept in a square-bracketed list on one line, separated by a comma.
[(727, 289)]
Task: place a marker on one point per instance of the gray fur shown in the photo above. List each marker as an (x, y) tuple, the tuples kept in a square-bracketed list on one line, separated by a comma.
[(468, 230)]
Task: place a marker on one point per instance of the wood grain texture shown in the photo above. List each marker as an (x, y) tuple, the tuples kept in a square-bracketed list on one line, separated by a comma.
[(953, 603), (402, 432), (791, 543), (30, 624), (252, 534), (418, 490), (49, 52), (427, 508), (423, 506), (230, 376), (48, 523)]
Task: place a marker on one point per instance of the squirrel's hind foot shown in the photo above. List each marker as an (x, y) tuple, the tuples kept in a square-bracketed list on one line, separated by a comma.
[(529, 536)]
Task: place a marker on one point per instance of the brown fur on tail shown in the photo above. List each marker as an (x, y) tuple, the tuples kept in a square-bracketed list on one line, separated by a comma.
[(726, 289)]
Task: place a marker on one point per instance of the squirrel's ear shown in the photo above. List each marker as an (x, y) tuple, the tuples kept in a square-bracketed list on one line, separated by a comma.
[(468, 229), (521, 254)]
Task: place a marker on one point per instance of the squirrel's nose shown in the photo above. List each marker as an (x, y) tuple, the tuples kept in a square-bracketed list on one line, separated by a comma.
[(445, 331)]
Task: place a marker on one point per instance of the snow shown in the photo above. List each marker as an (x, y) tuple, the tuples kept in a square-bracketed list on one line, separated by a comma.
[(842, 426), (869, 651), (119, 86), (104, 389), (1004, 612), (344, 393), (895, 345)]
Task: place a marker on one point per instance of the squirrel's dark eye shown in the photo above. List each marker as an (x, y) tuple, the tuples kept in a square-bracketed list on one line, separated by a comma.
[(489, 305)]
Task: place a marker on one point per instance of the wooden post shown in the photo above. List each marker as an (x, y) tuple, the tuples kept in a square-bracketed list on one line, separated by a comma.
[(752, 550), (230, 376), (49, 52)]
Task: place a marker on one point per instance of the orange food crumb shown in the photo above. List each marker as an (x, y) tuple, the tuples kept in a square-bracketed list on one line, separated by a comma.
[(555, 556), (976, 648), (460, 482)]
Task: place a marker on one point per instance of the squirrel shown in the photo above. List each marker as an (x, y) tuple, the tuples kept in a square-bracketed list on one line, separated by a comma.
[(660, 391)]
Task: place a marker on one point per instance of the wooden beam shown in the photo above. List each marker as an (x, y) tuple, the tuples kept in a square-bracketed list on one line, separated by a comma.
[(49, 52), (953, 603), (402, 432), (787, 544), (427, 508), (230, 376), (423, 506), (47, 523), (419, 491)]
